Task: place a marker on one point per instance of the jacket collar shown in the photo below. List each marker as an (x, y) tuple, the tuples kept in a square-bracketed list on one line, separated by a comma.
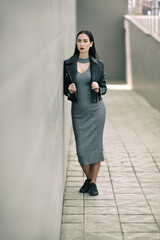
[(72, 67), (75, 57)]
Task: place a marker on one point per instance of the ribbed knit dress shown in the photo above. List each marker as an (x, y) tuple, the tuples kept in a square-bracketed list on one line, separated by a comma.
[(88, 120)]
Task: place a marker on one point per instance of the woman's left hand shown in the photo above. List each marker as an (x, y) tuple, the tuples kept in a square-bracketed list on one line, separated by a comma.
[(95, 86)]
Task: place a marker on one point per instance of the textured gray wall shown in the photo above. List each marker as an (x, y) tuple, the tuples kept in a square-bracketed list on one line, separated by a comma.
[(36, 36), (145, 63), (105, 19)]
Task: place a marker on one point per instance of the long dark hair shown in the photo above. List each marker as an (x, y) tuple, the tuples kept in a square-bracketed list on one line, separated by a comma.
[(92, 50)]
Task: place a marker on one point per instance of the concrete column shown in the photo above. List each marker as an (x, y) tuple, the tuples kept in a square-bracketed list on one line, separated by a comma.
[(105, 20)]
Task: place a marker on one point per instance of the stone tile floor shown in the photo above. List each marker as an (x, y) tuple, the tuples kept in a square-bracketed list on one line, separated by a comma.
[(128, 206)]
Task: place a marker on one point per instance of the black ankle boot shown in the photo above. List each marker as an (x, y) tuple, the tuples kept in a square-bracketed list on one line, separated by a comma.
[(85, 187)]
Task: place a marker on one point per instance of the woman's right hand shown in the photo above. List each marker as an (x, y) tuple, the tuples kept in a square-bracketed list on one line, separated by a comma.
[(72, 88)]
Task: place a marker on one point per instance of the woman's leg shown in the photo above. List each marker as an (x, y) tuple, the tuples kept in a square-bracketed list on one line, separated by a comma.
[(91, 172), (94, 171), (87, 170), (86, 186)]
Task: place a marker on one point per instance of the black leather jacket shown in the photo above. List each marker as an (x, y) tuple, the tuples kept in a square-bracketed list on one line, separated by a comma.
[(97, 75)]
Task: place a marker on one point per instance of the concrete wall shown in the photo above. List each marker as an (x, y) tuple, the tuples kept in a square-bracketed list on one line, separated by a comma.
[(105, 20), (36, 36), (143, 62)]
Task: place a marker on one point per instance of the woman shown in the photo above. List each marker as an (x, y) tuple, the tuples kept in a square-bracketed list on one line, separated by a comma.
[(84, 83)]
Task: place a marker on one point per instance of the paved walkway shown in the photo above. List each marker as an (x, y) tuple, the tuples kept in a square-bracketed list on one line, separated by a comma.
[(128, 206)]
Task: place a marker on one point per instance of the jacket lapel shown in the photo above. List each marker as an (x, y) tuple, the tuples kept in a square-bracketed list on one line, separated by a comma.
[(95, 69), (72, 67)]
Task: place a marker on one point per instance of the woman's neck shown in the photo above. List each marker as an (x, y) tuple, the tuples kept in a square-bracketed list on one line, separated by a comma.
[(84, 55)]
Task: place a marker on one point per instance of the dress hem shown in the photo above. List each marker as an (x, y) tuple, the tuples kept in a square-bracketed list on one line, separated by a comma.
[(91, 162)]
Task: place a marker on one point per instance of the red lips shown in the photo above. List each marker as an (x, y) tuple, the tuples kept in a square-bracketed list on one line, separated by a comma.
[(81, 48)]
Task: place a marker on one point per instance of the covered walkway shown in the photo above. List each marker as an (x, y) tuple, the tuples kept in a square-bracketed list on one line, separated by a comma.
[(128, 206)]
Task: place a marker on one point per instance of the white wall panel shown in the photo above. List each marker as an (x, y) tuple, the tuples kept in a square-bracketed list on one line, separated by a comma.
[(144, 61), (36, 37)]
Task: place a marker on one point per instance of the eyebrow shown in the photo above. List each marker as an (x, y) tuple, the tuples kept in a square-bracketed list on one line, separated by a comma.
[(82, 39)]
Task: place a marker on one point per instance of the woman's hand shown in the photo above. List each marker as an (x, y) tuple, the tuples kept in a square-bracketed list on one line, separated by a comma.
[(72, 88), (95, 86)]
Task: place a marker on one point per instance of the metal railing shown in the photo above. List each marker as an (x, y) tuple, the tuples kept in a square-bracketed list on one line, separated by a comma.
[(146, 13)]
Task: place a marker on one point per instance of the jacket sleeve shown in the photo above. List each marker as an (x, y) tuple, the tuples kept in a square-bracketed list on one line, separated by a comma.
[(102, 82), (65, 81)]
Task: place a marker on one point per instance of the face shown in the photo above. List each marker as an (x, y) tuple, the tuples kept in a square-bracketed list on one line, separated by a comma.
[(83, 43)]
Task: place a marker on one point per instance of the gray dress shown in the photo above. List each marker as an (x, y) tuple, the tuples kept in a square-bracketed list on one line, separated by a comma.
[(88, 120)]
